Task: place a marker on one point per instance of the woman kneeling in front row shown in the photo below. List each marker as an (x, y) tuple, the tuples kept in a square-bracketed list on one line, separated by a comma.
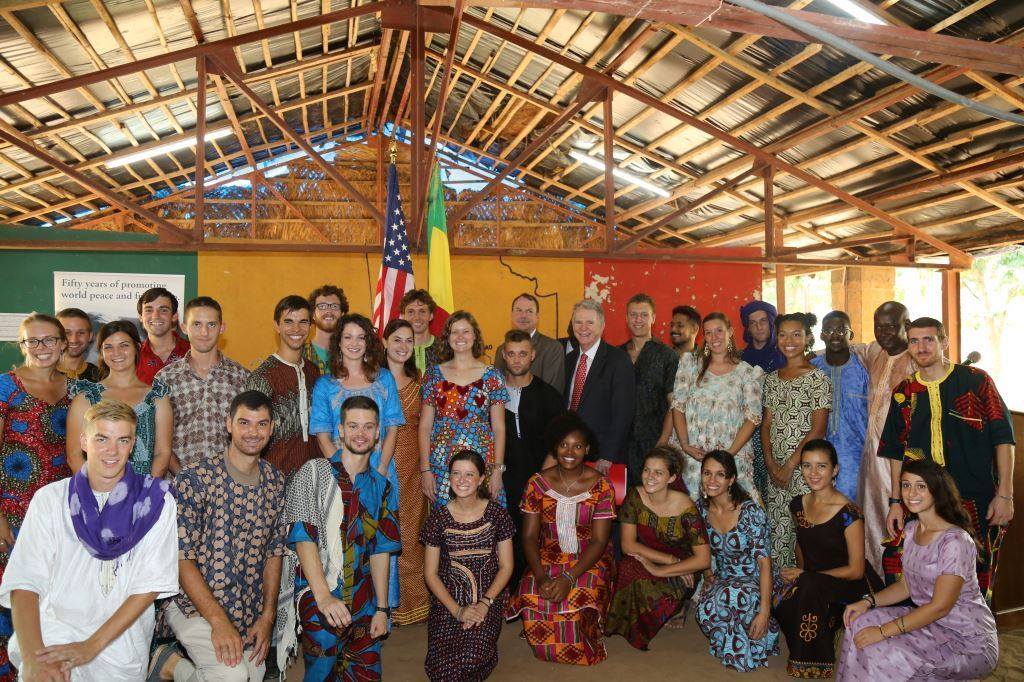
[(951, 634)]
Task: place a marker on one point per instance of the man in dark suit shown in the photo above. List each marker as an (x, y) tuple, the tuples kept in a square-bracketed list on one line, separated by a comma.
[(532, 405), (600, 384), (549, 363)]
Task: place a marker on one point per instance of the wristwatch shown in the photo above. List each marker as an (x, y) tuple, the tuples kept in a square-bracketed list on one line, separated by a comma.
[(386, 610), (895, 500), (500, 468)]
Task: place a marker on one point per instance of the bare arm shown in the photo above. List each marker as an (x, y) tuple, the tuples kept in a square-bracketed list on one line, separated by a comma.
[(666, 428), (632, 545), (326, 444), (854, 568), (427, 481), (505, 566), (226, 640), (25, 615), (1000, 511), (531, 545), (745, 433), (164, 434), (498, 427), (431, 561), (700, 561), (819, 423), (380, 567), (387, 450), (75, 428)]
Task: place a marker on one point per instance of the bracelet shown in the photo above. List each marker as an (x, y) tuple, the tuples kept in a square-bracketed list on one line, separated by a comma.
[(1008, 498), (487, 600), (424, 471), (882, 632), (458, 614), (901, 625), (870, 598), (895, 500)]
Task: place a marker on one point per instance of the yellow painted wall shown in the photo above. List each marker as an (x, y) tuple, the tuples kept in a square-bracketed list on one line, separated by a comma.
[(249, 284)]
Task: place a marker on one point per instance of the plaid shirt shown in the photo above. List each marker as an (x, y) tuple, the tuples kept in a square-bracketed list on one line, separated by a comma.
[(201, 406)]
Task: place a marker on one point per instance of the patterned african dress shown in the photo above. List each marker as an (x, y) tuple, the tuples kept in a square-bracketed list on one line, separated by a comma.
[(569, 631), (412, 510), (848, 421), (467, 567), (643, 603), (369, 526), (790, 403), (962, 645), (810, 608), (325, 415), (31, 456), (957, 421), (727, 607), (145, 428), (715, 409), (462, 421)]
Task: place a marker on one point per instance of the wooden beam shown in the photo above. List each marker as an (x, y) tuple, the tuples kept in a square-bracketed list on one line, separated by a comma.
[(772, 235), (296, 139), (609, 177), (957, 257), (887, 238), (951, 312), (198, 231), (780, 288), (920, 46), (417, 174)]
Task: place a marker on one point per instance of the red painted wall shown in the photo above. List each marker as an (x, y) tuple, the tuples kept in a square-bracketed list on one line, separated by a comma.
[(706, 286)]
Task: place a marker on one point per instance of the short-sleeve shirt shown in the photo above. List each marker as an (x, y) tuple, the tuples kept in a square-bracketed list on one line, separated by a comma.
[(150, 363), (290, 389), (228, 530), (201, 406), (329, 394)]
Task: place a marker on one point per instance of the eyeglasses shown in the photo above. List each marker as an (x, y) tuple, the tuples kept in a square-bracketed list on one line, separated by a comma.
[(836, 332), (48, 341), (328, 306)]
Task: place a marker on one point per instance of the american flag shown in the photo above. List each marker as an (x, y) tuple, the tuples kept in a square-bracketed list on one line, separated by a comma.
[(395, 276)]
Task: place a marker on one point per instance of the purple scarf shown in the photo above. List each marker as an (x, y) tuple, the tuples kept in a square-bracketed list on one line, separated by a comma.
[(133, 507)]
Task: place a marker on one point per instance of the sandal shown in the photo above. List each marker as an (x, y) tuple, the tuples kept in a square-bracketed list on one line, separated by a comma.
[(162, 654)]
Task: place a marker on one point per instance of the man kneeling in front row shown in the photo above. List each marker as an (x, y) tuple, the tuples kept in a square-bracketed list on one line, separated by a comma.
[(94, 552)]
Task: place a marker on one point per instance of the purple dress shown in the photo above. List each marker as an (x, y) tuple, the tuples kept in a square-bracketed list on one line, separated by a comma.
[(960, 645)]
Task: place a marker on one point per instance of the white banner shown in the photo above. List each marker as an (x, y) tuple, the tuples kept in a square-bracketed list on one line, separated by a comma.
[(108, 296)]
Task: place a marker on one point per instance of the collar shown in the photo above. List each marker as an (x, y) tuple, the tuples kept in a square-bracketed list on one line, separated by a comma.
[(592, 353)]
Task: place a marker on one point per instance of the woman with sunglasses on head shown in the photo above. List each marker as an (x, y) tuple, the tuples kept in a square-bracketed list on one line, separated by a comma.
[(949, 633), (119, 343), (468, 564), (734, 606), (831, 571), (33, 420)]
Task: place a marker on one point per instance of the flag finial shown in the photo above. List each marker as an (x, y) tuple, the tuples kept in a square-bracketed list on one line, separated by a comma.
[(393, 150)]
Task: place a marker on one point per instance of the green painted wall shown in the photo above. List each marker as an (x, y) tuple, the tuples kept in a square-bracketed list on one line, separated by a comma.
[(26, 278)]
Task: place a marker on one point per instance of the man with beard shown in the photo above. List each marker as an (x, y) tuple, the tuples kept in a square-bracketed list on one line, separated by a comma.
[(683, 331), (202, 385), (953, 415), (287, 378), (888, 363), (342, 517), (231, 540), (532, 404), (158, 313), (418, 307), (549, 361), (328, 304), (848, 420), (78, 328), (654, 365)]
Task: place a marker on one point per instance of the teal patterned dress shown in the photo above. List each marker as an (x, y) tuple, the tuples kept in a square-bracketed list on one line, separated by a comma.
[(145, 412)]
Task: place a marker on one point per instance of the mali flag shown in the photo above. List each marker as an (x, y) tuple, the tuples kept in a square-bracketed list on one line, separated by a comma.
[(439, 263)]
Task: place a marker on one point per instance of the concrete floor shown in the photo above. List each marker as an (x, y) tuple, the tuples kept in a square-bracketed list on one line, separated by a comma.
[(672, 652)]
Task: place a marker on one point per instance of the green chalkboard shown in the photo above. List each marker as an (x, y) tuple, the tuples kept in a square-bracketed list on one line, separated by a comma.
[(26, 278)]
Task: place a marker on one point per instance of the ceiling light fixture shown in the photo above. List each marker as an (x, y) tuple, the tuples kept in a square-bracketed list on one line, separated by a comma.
[(856, 11), (597, 164), (165, 148)]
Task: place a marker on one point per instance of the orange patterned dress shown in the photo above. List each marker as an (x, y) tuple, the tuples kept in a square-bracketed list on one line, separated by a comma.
[(414, 600), (569, 631)]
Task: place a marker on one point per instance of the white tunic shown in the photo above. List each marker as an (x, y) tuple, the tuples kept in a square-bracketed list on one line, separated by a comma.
[(78, 593)]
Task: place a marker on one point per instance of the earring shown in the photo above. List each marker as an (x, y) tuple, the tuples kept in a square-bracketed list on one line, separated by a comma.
[(730, 347), (707, 350)]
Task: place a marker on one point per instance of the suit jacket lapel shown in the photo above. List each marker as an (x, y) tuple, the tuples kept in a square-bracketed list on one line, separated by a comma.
[(570, 373)]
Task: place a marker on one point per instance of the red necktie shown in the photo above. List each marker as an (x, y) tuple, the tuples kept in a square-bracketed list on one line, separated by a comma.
[(577, 383)]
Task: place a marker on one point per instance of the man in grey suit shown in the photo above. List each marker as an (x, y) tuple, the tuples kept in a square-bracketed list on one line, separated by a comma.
[(549, 363)]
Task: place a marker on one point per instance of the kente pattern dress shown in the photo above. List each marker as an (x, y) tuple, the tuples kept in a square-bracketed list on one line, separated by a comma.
[(790, 403), (727, 607), (961, 645), (467, 567), (462, 421), (568, 631), (810, 608), (31, 456), (145, 429), (643, 603), (715, 409), (412, 510)]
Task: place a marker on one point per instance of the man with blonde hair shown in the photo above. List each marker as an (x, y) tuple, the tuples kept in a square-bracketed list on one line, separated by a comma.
[(94, 552)]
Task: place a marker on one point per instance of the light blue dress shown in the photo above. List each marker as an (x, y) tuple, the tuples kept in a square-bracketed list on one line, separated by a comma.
[(726, 609), (145, 413), (325, 415), (848, 421)]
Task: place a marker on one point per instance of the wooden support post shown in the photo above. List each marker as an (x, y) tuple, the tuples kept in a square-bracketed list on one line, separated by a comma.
[(198, 230), (254, 183), (416, 175), (771, 237), (780, 288), (609, 178), (297, 139), (951, 312)]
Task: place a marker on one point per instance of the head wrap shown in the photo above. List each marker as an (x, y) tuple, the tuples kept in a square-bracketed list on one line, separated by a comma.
[(769, 357)]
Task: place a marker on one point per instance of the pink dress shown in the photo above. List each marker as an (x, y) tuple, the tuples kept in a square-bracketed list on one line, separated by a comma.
[(960, 645)]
